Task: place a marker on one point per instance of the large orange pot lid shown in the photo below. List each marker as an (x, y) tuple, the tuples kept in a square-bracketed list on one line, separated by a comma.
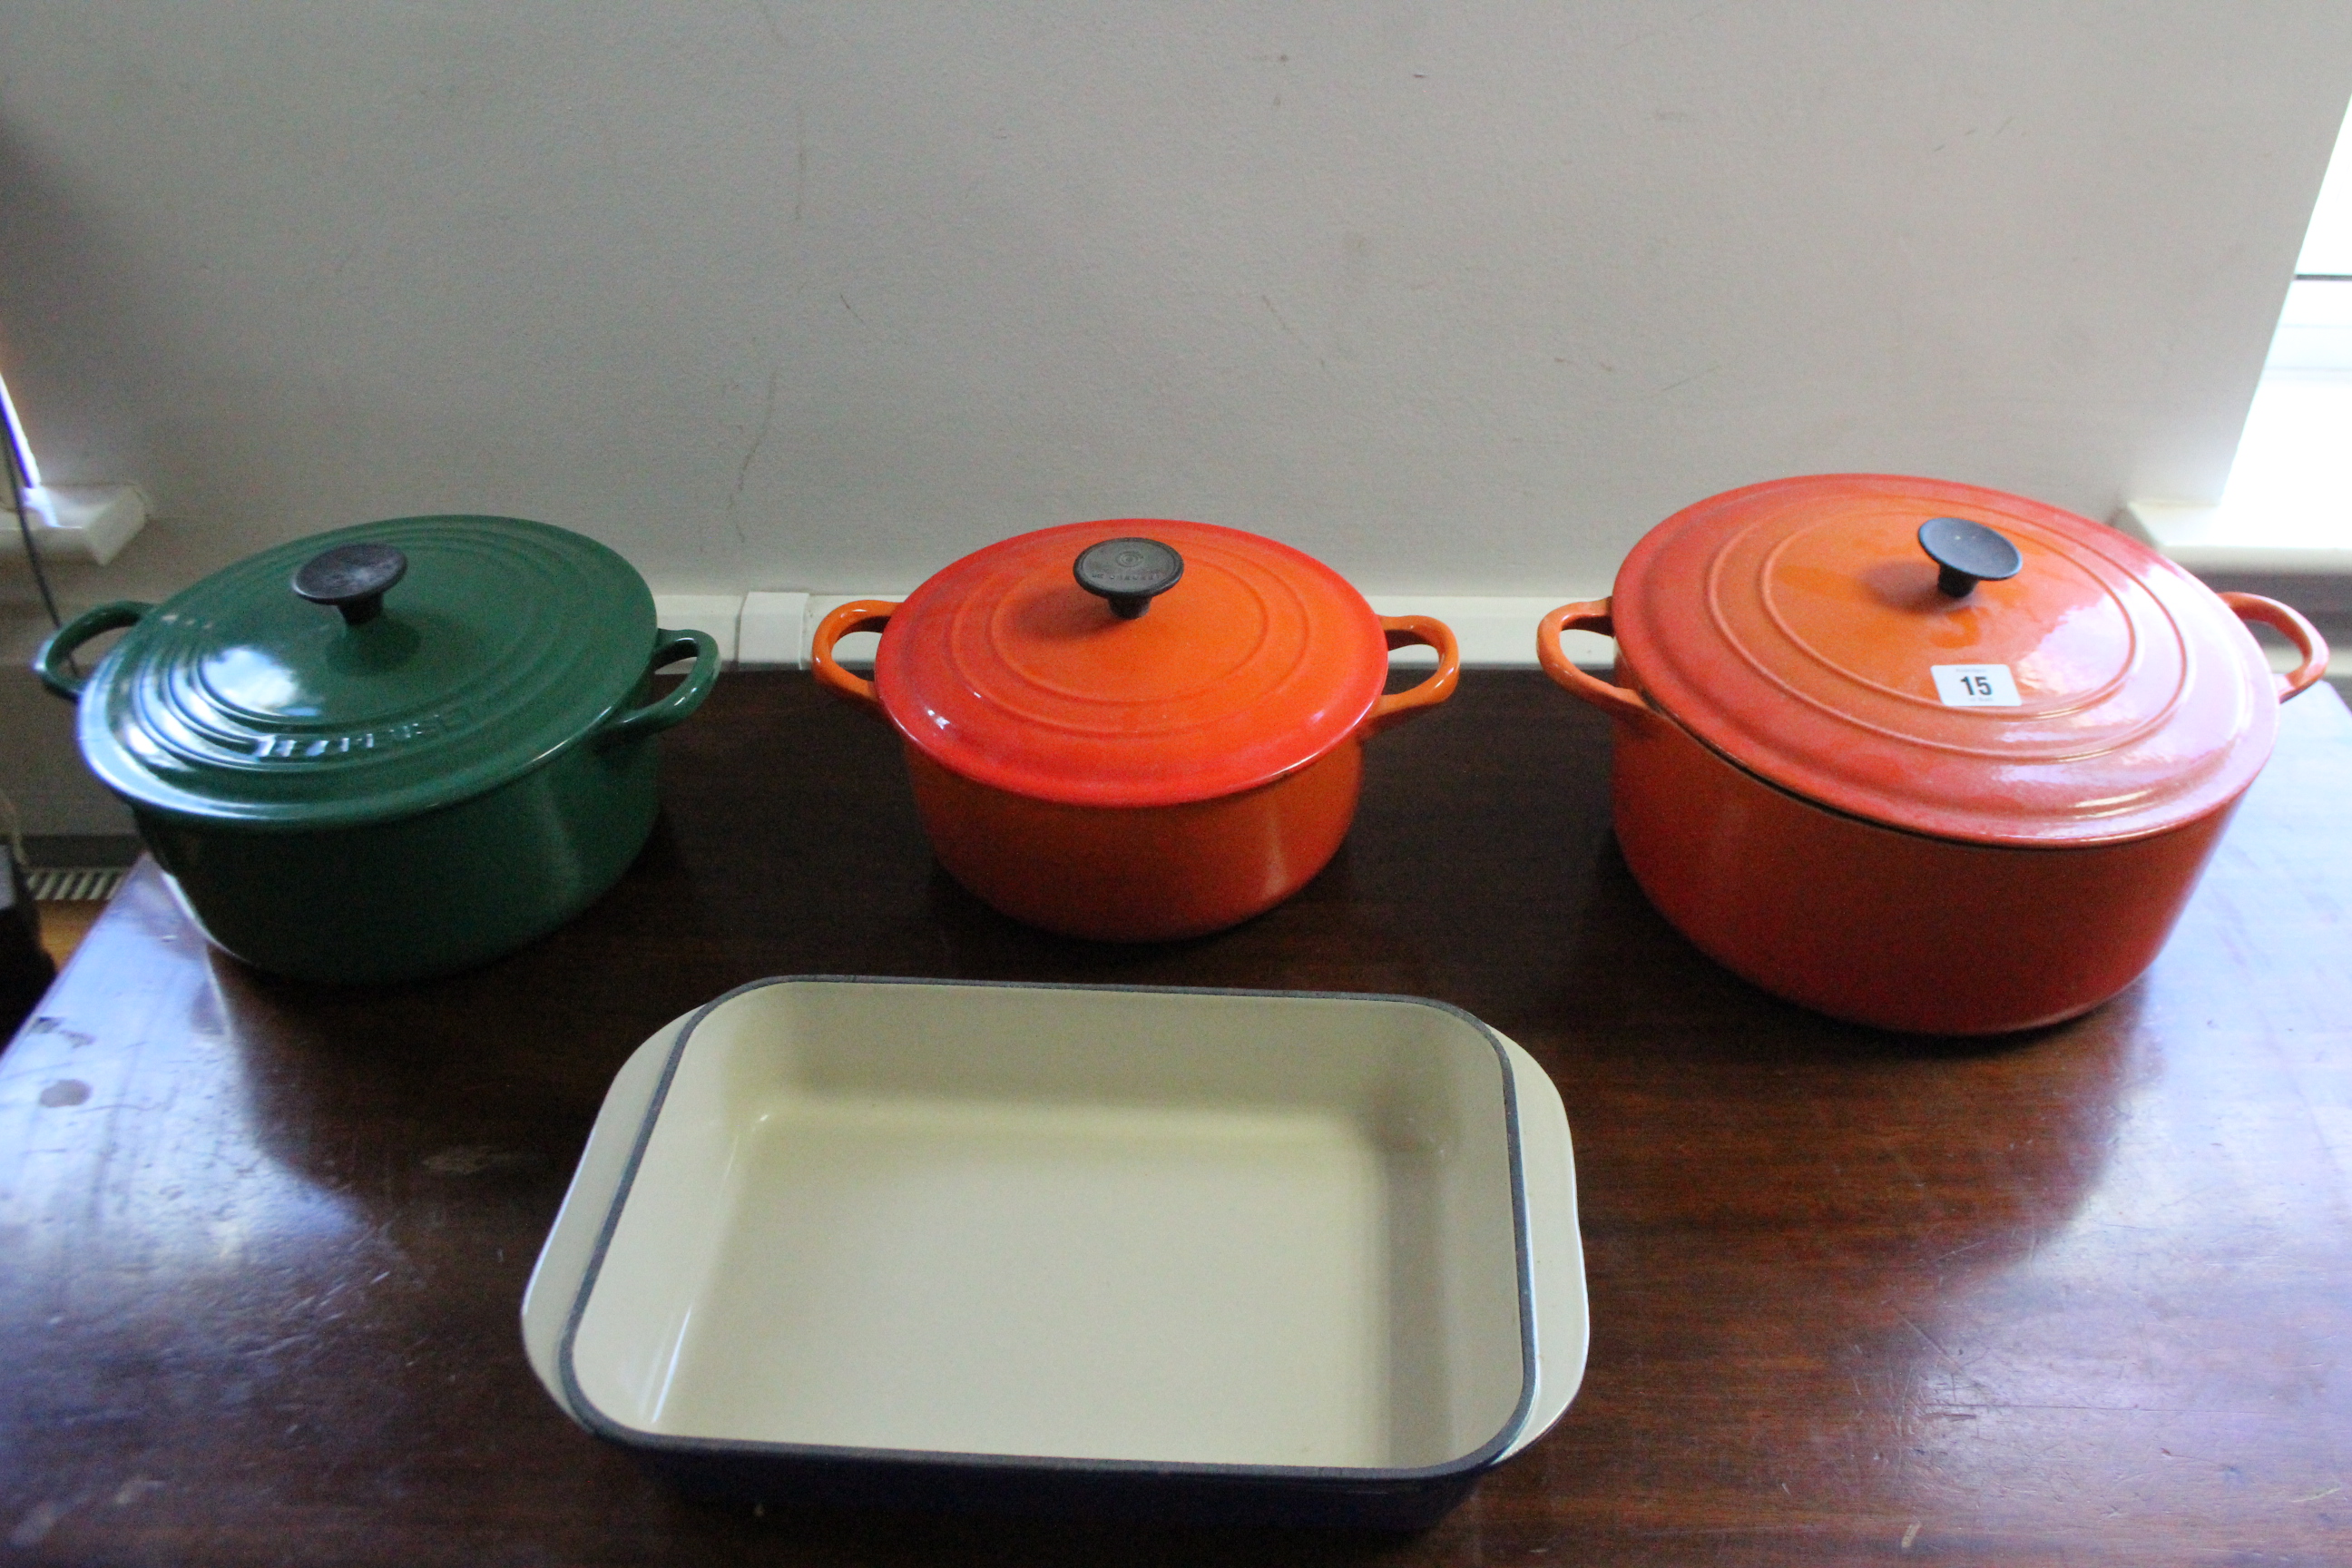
[(1244, 660), (1802, 629)]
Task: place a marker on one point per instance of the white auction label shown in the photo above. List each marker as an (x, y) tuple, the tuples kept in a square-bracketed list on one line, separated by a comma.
[(1976, 686)]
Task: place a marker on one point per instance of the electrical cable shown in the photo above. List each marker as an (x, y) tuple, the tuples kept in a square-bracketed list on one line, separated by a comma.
[(15, 828), (18, 478)]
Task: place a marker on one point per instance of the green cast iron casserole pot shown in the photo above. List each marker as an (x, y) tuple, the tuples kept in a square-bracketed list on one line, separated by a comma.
[(392, 751)]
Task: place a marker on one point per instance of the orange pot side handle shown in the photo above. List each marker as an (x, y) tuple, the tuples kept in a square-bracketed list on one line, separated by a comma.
[(858, 616), (1590, 615), (1417, 631), (2298, 631)]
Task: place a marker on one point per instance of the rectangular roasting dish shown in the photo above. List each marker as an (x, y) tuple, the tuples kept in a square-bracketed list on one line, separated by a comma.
[(1267, 1255)]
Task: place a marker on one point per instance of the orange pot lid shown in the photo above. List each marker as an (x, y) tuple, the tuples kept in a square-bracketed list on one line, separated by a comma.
[(1244, 660), (1802, 629)]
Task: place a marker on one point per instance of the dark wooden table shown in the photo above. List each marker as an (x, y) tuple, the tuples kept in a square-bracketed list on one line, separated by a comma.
[(2084, 1297)]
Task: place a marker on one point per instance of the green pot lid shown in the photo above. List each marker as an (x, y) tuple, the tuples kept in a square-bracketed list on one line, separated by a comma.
[(368, 674)]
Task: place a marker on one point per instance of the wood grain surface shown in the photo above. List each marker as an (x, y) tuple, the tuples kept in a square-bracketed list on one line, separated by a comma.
[(2083, 1297)]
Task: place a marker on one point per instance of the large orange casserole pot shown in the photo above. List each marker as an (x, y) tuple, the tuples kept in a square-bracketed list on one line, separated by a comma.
[(1137, 730), (1923, 755)]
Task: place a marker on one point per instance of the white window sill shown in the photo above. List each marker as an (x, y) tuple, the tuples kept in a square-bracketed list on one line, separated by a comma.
[(2288, 508)]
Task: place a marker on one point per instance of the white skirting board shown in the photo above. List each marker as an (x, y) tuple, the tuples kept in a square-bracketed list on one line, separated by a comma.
[(772, 630)]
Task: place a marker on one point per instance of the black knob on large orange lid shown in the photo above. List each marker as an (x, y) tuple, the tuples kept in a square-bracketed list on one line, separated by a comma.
[(1967, 553)]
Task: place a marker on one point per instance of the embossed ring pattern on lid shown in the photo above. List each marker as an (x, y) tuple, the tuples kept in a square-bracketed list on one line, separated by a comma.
[(505, 642), (1253, 663), (1797, 627)]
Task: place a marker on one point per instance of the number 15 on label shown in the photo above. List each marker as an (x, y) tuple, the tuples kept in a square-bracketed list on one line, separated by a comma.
[(1976, 686)]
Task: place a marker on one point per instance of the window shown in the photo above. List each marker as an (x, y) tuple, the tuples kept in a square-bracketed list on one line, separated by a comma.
[(2291, 487)]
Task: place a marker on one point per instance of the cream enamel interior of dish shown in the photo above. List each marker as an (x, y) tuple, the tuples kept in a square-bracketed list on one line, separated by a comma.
[(1073, 1224)]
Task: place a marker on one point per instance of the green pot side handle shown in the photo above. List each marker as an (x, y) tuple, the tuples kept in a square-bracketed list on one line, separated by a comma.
[(656, 716), (49, 660)]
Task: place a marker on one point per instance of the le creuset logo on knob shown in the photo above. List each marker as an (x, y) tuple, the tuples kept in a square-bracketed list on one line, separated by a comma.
[(353, 578), (1129, 572)]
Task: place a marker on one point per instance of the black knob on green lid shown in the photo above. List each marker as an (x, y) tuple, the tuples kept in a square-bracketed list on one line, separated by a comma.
[(353, 578)]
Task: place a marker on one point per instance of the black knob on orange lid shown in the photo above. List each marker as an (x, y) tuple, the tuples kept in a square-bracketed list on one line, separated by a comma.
[(1967, 553), (1129, 572)]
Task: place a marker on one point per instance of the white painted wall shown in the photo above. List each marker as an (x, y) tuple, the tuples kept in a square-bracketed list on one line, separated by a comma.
[(1460, 298)]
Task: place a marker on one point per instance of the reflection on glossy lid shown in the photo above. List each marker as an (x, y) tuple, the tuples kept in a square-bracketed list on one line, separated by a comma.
[(1800, 627), (497, 643), (1253, 660)]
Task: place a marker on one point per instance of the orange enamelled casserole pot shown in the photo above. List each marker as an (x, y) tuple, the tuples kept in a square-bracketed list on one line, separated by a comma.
[(1922, 755), (1138, 729)]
